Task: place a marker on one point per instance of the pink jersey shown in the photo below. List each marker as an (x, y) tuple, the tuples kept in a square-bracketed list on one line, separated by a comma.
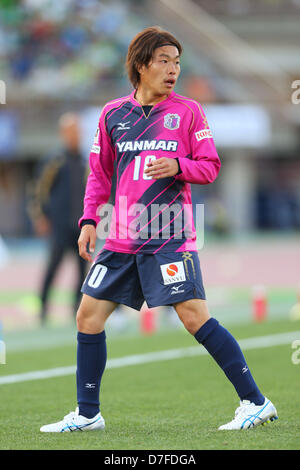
[(149, 216)]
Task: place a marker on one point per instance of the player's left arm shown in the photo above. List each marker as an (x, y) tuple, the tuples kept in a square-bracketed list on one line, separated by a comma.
[(203, 165)]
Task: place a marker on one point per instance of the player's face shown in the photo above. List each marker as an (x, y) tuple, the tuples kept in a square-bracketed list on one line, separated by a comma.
[(161, 74)]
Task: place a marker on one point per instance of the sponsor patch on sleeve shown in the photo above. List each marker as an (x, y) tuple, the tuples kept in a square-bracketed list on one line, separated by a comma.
[(95, 148), (204, 134)]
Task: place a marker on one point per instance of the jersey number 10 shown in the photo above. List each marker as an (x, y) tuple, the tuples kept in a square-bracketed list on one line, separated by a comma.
[(137, 167)]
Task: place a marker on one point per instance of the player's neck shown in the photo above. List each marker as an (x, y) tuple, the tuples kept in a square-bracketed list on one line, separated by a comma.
[(147, 98)]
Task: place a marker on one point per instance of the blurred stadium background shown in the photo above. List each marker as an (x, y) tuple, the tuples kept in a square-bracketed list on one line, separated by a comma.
[(240, 60)]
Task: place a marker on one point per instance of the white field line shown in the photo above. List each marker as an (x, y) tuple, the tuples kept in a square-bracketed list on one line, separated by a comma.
[(246, 344)]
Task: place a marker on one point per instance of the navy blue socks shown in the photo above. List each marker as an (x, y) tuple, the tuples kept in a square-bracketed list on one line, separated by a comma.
[(91, 361), (222, 346)]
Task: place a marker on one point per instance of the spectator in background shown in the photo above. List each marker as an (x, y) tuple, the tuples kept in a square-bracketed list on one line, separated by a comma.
[(56, 205)]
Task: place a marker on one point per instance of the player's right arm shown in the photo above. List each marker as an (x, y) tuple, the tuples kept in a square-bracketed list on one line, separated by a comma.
[(98, 187), (87, 242)]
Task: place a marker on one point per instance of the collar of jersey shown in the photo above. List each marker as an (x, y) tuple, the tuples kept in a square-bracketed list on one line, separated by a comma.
[(133, 100)]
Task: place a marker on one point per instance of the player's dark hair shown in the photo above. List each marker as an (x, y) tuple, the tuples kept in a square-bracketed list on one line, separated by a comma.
[(141, 49)]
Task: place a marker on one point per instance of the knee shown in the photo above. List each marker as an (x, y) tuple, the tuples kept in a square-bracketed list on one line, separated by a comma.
[(193, 315), (81, 318), (191, 322), (86, 320), (92, 314)]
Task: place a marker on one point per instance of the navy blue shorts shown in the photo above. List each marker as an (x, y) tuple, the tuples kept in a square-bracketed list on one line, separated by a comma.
[(160, 279)]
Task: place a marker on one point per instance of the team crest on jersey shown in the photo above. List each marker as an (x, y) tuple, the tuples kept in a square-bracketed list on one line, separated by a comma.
[(171, 121)]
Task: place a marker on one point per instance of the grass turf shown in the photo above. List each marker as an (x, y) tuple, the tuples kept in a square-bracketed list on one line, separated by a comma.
[(176, 404)]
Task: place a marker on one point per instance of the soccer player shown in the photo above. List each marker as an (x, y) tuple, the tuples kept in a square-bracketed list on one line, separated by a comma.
[(157, 142)]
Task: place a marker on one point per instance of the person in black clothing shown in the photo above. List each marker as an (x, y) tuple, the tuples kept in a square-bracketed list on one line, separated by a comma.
[(57, 205)]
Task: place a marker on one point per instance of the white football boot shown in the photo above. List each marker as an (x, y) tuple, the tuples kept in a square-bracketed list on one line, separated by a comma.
[(75, 422), (248, 415)]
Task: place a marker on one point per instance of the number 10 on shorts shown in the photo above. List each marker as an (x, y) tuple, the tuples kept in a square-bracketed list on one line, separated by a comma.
[(97, 276)]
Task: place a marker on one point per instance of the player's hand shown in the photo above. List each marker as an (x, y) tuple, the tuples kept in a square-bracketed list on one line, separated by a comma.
[(87, 238), (162, 168)]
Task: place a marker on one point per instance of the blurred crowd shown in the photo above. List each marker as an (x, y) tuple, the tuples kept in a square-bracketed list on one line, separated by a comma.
[(67, 49), (73, 49), (250, 7), (53, 47)]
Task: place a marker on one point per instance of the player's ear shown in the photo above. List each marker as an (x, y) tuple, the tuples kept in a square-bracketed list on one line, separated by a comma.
[(140, 68)]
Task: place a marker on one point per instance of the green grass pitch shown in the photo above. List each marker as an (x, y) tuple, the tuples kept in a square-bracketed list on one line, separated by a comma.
[(175, 404)]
